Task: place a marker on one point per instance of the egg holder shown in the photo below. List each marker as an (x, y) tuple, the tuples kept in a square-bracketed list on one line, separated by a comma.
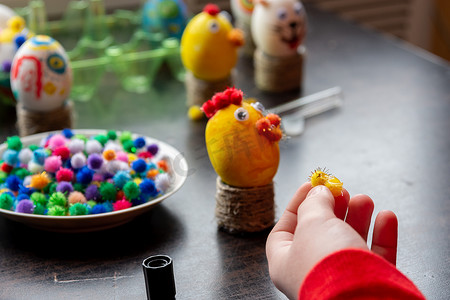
[(99, 43)]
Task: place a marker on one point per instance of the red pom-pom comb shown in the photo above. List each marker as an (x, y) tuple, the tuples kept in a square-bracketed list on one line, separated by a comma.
[(222, 100), (211, 9)]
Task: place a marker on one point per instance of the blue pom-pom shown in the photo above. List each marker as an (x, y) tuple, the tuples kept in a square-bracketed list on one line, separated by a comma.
[(11, 157), (13, 182), (39, 156), (153, 149), (139, 165), (67, 132), (148, 187), (84, 176), (98, 209), (19, 40), (138, 201), (22, 196), (26, 190), (121, 178), (139, 142)]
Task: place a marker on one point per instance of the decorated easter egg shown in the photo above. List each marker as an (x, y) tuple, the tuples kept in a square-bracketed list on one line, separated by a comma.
[(209, 45), (41, 76), (242, 9), (278, 26), (166, 16)]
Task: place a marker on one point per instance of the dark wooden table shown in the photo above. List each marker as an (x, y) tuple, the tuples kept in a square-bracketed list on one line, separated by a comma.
[(390, 140)]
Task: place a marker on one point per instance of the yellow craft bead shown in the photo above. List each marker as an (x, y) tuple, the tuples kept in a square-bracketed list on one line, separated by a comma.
[(195, 113)]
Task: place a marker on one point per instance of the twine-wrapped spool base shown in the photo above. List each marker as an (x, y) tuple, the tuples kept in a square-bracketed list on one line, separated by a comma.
[(199, 91), (278, 74), (244, 210), (31, 122)]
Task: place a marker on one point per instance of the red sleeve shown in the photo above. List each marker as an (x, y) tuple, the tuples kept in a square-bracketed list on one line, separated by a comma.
[(357, 274)]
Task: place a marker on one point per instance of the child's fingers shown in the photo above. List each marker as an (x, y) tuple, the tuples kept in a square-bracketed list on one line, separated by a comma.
[(341, 204), (360, 208), (385, 233)]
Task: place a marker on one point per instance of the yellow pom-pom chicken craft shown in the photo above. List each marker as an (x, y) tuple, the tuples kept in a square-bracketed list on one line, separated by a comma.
[(209, 45), (242, 143)]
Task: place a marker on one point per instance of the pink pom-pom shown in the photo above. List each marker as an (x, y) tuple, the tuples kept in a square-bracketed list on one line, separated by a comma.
[(97, 177), (63, 151), (122, 156), (56, 141), (64, 175), (76, 197), (52, 164), (121, 204)]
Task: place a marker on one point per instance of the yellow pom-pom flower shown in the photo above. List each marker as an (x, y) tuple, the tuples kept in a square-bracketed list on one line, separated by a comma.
[(322, 177)]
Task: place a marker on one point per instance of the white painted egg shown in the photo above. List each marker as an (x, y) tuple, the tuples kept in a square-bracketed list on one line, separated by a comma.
[(41, 76), (278, 26), (242, 9)]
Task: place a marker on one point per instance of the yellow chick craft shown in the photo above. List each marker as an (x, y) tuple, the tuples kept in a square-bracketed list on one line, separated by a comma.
[(242, 143), (209, 45)]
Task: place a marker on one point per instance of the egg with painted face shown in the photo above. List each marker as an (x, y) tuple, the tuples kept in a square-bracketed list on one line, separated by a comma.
[(278, 26), (242, 9), (41, 76)]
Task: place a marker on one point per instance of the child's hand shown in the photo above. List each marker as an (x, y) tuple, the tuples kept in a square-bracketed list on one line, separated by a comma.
[(313, 227)]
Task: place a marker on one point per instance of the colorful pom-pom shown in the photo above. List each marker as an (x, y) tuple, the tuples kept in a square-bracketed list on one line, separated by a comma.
[(39, 209), (128, 146), (64, 174), (78, 209), (121, 204), (120, 178), (131, 190), (14, 143), (6, 201), (98, 209), (25, 155), (57, 211), (122, 156), (102, 139), (109, 154), (78, 160), (52, 164), (63, 152), (39, 181), (92, 193), (85, 175), (195, 113), (139, 165), (56, 141), (76, 197), (38, 198), (139, 142), (67, 133), (64, 187), (162, 164), (148, 187), (25, 206), (112, 135), (153, 149), (57, 199), (39, 156), (107, 191), (93, 146), (125, 136), (162, 182), (6, 168), (95, 161), (34, 167), (11, 157), (22, 173), (76, 146), (13, 182)]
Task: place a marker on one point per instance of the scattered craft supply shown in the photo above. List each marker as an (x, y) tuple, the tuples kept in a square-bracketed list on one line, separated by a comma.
[(323, 177), (70, 174)]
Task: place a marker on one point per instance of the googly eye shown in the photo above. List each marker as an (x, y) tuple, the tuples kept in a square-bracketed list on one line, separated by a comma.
[(298, 8), (241, 114), (213, 26), (258, 106), (282, 13)]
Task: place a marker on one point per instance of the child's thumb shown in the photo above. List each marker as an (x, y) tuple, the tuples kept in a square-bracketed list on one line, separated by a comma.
[(320, 199)]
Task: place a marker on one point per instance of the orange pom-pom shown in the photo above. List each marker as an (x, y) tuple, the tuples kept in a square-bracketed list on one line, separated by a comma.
[(109, 154), (152, 173), (39, 181), (162, 164)]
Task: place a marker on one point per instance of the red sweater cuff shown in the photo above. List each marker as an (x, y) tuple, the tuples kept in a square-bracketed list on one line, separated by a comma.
[(357, 274)]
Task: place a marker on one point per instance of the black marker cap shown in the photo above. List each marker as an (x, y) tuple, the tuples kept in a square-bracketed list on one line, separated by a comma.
[(159, 279)]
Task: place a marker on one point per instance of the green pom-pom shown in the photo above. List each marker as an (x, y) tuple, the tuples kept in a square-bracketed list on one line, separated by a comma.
[(129, 146), (108, 191), (78, 209), (102, 139), (6, 201), (38, 198), (91, 203), (50, 188), (22, 173), (39, 209), (33, 147), (48, 151), (125, 136), (131, 190), (57, 199), (14, 143), (3, 176), (56, 211), (78, 187), (112, 135), (81, 137)]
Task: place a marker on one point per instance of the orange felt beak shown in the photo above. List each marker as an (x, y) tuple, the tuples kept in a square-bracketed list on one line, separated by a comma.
[(236, 37), (269, 127)]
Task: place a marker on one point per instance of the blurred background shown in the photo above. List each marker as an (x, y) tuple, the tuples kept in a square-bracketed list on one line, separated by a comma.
[(422, 23)]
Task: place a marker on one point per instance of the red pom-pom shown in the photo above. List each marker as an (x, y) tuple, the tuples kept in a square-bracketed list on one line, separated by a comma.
[(64, 175), (220, 100), (209, 109), (6, 168), (121, 204), (120, 195), (62, 152), (211, 9), (145, 155), (274, 119)]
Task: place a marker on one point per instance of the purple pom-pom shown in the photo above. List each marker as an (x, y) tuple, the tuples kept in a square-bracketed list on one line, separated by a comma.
[(139, 165), (64, 187), (92, 193), (95, 161), (6, 66), (25, 206), (153, 149)]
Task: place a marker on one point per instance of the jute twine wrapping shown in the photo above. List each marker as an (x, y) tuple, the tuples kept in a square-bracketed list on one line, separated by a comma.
[(278, 74), (241, 210), (249, 46), (199, 91), (31, 122)]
